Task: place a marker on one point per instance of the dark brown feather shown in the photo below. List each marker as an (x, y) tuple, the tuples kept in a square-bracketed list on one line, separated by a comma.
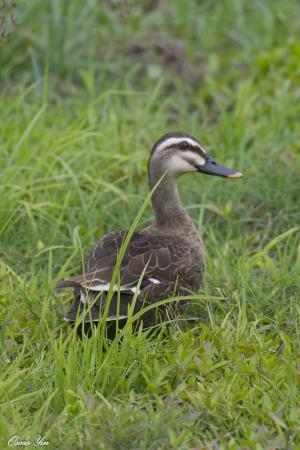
[(169, 260)]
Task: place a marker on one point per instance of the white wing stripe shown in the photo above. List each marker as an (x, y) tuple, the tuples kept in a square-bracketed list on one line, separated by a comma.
[(105, 287), (154, 281), (82, 297)]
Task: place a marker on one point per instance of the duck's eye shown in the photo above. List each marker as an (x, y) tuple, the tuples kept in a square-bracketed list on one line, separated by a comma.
[(184, 145)]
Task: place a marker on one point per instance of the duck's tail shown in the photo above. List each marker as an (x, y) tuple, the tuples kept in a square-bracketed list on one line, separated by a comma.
[(90, 306)]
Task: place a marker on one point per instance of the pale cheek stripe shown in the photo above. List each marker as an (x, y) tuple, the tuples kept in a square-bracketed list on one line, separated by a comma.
[(193, 158)]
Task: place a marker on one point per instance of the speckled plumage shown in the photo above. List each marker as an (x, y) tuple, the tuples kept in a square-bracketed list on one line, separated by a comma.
[(169, 253), (171, 259)]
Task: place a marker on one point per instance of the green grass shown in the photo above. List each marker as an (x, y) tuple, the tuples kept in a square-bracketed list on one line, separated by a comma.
[(79, 113)]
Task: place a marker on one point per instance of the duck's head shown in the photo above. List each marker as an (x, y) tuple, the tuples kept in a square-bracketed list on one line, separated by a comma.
[(178, 153)]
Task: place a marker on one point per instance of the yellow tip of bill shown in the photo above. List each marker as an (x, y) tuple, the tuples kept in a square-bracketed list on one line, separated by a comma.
[(236, 175)]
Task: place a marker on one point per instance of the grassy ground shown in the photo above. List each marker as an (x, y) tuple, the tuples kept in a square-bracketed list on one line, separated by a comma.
[(86, 89)]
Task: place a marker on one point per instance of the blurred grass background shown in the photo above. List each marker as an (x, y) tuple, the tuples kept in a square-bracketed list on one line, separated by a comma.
[(86, 89)]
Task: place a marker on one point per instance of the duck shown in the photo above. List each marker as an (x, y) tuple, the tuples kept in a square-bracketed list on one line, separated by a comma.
[(163, 260)]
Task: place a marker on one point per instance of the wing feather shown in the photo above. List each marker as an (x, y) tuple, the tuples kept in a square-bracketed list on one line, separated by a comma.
[(164, 257)]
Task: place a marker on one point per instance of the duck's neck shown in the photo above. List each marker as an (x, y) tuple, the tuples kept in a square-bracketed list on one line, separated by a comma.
[(167, 206)]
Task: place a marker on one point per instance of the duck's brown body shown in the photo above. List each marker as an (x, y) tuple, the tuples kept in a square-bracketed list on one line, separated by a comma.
[(174, 265), (163, 260)]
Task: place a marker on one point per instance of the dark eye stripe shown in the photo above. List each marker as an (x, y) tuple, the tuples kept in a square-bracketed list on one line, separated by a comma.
[(184, 145), (193, 148), (201, 152), (198, 150), (188, 160)]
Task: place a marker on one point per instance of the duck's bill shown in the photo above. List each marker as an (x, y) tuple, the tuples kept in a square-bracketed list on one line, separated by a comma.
[(212, 167)]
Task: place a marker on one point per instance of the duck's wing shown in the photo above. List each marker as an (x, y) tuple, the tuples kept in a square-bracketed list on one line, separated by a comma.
[(162, 258), (165, 263)]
